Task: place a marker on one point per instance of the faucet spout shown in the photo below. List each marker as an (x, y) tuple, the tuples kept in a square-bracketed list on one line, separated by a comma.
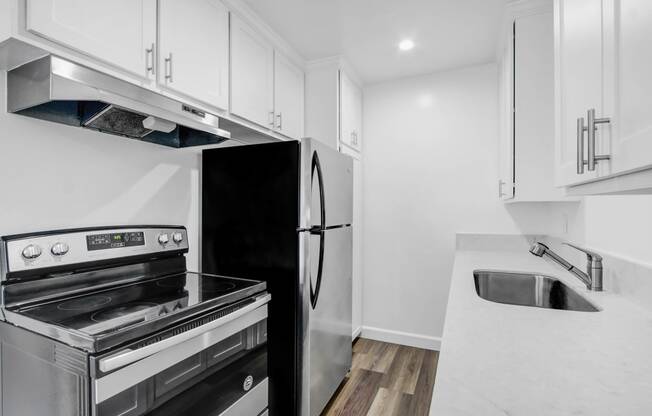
[(592, 279)]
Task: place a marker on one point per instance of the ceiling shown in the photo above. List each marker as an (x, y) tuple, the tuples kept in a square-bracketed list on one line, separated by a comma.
[(447, 33)]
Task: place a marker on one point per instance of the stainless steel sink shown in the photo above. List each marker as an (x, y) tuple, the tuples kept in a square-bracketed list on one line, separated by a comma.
[(529, 290)]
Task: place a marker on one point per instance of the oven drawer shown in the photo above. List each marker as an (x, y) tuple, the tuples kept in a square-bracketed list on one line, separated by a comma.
[(227, 348), (178, 374), (131, 402), (238, 389)]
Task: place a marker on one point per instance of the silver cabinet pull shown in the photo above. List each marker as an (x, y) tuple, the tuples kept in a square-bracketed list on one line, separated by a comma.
[(279, 117), (500, 188), (168, 69), (581, 128), (591, 128), (271, 119), (150, 59)]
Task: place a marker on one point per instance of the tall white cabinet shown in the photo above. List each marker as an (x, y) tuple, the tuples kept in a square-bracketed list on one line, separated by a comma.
[(334, 117)]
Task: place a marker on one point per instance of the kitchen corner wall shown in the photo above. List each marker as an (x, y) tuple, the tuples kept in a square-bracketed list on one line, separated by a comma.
[(54, 176), (430, 172)]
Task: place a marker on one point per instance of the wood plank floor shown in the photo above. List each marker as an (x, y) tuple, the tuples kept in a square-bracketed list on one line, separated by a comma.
[(386, 380)]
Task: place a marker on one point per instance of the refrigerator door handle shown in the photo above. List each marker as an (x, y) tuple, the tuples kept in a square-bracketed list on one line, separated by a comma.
[(316, 167)]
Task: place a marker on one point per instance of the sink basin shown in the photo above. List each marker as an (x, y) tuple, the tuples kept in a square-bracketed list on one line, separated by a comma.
[(527, 289)]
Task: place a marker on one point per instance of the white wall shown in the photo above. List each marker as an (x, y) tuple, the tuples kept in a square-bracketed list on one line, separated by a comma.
[(430, 171), (54, 176), (619, 225)]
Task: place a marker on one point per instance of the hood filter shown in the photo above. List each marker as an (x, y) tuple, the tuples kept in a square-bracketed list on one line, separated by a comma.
[(116, 120)]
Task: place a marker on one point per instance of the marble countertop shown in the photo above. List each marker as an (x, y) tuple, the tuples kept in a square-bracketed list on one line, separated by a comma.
[(499, 359)]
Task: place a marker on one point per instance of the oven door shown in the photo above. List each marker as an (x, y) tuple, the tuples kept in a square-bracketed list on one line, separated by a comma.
[(215, 364)]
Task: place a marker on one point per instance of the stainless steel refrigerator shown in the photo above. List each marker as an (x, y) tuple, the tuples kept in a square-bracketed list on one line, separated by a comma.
[(282, 212)]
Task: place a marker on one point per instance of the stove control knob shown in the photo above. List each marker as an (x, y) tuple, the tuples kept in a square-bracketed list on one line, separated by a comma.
[(163, 239), (31, 252), (59, 249), (177, 237)]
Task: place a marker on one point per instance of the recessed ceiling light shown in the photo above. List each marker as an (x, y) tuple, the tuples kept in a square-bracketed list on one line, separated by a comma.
[(406, 45)]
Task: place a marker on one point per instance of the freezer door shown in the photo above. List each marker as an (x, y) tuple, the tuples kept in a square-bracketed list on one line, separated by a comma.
[(326, 186), (329, 314)]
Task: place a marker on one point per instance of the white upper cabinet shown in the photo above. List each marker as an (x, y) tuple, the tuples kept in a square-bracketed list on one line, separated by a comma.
[(194, 49), (526, 107), (579, 88), (632, 112), (288, 97), (506, 118), (252, 74), (350, 112), (121, 33), (604, 96)]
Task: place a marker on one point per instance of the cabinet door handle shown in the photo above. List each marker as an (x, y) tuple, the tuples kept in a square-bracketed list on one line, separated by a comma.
[(168, 69), (279, 117), (271, 119), (592, 122), (500, 188), (150, 59), (580, 145)]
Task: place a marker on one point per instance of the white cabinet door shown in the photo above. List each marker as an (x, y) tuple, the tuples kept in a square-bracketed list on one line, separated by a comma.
[(350, 112), (120, 32), (578, 85), (194, 49), (357, 245), (506, 122), (288, 97), (252, 74), (632, 121)]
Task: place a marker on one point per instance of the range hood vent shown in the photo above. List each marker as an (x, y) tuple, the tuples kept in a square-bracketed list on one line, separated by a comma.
[(54, 89)]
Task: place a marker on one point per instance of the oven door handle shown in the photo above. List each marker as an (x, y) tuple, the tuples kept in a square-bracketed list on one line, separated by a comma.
[(126, 357)]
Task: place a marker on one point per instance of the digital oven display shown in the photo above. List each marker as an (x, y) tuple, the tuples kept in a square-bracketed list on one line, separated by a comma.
[(114, 240)]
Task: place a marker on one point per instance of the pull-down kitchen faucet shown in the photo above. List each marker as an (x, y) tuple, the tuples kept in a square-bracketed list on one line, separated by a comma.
[(593, 276)]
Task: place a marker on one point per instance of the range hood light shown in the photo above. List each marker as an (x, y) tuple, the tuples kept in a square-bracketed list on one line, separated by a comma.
[(158, 124)]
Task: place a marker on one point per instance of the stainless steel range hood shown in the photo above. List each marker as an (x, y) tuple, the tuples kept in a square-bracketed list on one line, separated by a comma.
[(54, 89)]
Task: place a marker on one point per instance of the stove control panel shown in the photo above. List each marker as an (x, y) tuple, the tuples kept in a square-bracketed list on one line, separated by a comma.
[(115, 240), (69, 247)]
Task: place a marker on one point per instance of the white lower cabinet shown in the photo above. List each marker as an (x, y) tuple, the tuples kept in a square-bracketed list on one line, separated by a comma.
[(121, 33), (194, 49)]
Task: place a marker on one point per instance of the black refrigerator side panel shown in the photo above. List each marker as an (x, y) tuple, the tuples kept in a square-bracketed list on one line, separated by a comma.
[(250, 216)]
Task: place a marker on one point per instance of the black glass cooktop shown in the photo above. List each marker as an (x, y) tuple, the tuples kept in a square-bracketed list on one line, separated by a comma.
[(109, 311)]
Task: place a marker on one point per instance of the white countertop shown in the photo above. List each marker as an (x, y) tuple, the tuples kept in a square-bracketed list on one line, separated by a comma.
[(499, 359)]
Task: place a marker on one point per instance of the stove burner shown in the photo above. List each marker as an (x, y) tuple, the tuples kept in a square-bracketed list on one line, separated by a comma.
[(122, 310), (172, 283), (219, 287), (85, 303)]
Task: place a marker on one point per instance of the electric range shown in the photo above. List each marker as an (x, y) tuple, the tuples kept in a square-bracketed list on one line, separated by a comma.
[(108, 321)]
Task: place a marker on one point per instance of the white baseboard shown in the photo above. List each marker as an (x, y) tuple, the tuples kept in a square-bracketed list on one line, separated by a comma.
[(357, 331), (403, 338)]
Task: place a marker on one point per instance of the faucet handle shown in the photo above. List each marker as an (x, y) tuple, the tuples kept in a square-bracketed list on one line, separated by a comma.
[(592, 255)]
